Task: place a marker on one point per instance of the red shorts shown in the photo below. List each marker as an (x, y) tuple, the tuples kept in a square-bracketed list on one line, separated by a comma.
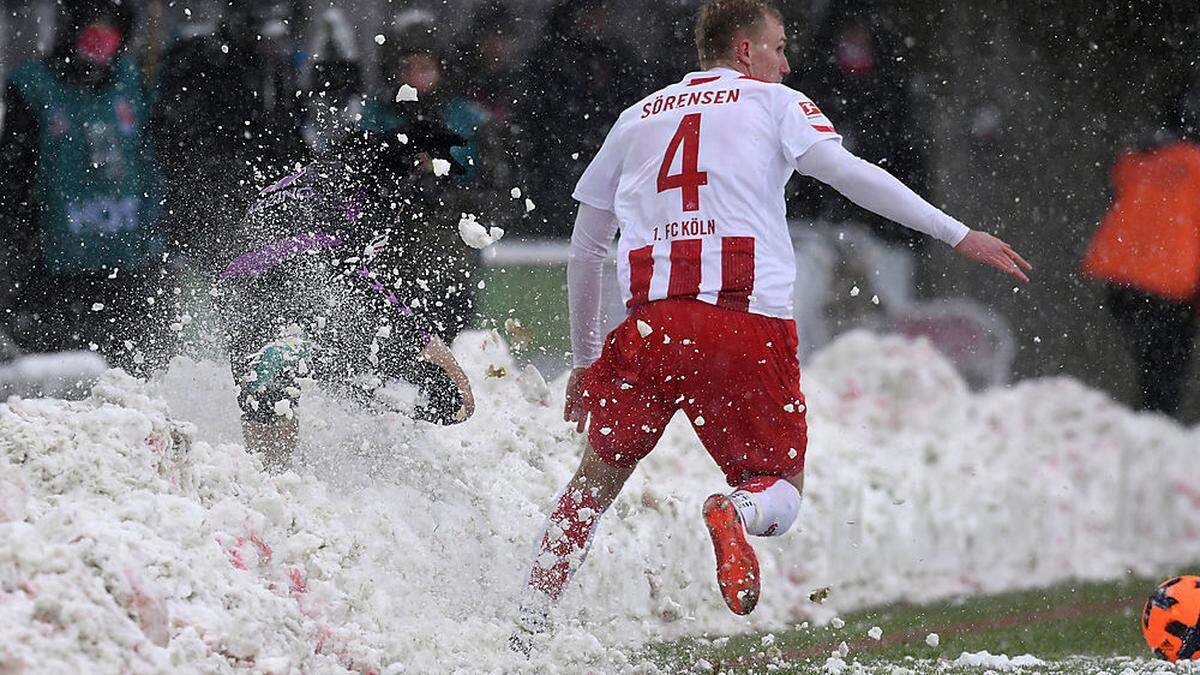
[(734, 374)]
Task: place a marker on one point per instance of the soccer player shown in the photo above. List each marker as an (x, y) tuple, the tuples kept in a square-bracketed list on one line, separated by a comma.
[(312, 291), (693, 177)]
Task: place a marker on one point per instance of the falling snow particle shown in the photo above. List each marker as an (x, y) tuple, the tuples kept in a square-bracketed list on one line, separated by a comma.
[(529, 205), (933, 640), (854, 292), (768, 640), (380, 39), (407, 92), (644, 328), (837, 623), (515, 192), (98, 307), (875, 299), (475, 235), (875, 633), (441, 167), (605, 431), (699, 420)]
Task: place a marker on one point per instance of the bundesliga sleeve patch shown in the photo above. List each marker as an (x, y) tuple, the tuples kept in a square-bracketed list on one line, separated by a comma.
[(820, 123)]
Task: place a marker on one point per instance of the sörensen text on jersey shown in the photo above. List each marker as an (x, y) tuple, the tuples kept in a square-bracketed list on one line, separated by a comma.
[(677, 101)]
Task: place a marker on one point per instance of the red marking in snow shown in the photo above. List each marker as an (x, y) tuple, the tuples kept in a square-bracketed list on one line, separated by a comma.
[(298, 586), (264, 551), (235, 556), (324, 638), (1188, 491)]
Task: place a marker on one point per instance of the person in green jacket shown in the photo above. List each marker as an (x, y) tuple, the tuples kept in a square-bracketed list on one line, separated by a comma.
[(79, 198)]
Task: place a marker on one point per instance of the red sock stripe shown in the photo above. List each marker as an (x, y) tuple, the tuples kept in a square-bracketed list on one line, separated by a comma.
[(565, 542), (685, 269), (737, 273), (641, 268)]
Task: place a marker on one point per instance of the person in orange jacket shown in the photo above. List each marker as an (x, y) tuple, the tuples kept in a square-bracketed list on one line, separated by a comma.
[(1148, 251)]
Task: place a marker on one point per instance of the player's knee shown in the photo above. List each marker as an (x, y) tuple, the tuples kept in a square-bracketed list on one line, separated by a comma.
[(768, 505)]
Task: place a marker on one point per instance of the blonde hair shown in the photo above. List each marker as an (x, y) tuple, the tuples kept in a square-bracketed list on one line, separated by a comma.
[(720, 20)]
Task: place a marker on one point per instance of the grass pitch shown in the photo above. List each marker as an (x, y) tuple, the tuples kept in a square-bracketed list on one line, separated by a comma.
[(1070, 628)]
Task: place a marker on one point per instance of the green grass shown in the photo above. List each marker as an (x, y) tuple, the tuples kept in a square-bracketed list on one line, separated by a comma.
[(534, 295), (1105, 627)]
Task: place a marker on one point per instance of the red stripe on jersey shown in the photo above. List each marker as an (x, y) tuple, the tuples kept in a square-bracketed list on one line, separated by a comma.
[(702, 80), (823, 128), (641, 268), (685, 269), (737, 273)]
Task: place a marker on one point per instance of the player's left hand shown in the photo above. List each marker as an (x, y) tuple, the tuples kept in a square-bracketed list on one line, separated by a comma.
[(574, 410), (983, 247)]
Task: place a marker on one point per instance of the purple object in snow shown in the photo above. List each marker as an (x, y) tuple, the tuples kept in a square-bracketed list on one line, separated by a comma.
[(276, 252)]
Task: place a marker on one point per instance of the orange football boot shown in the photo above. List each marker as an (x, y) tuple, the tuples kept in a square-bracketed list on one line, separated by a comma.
[(737, 566)]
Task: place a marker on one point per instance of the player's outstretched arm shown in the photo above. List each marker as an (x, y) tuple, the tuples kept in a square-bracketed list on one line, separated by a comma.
[(878, 191), (984, 248)]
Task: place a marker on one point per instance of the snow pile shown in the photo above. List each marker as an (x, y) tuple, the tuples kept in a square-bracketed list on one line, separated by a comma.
[(137, 534)]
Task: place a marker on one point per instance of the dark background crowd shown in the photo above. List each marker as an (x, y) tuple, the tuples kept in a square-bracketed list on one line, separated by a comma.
[(1010, 118)]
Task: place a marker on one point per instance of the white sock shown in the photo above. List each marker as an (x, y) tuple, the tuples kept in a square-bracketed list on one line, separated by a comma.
[(767, 506)]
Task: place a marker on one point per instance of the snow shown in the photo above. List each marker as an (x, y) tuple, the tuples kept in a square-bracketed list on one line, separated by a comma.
[(475, 235), (407, 92), (644, 328), (136, 534), (933, 640), (441, 167), (997, 661), (875, 633)]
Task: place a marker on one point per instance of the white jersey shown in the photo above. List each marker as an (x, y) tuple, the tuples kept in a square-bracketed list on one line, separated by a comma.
[(695, 174)]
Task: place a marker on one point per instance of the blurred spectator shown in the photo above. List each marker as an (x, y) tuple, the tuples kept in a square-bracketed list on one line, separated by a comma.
[(577, 81), (336, 93), (227, 110), (855, 73), (487, 68), (1148, 251), (78, 197), (435, 255), (487, 74)]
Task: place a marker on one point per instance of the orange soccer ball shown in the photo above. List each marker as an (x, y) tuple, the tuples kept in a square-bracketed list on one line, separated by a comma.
[(1171, 619)]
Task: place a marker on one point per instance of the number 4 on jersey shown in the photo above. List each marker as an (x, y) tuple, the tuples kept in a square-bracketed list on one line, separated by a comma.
[(689, 179)]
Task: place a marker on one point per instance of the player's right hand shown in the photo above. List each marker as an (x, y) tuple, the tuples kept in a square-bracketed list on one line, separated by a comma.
[(983, 247), (574, 410)]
